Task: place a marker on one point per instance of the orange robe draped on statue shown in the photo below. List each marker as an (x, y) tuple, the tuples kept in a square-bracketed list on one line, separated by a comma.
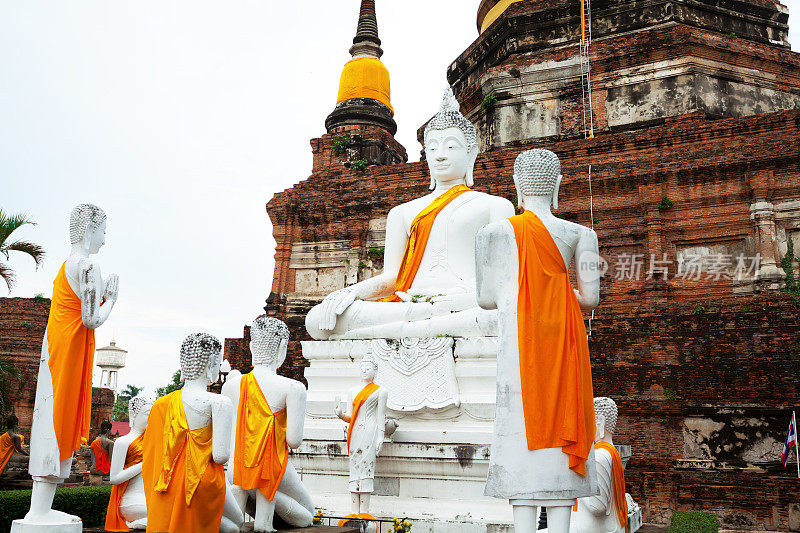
[(114, 520), (184, 487), (358, 401), (7, 449), (71, 358), (618, 476), (556, 376), (418, 239), (102, 461), (261, 454)]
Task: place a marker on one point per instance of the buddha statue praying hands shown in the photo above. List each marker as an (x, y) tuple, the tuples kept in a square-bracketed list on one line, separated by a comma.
[(427, 287), (186, 444), (82, 301), (269, 421), (127, 507), (542, 453), (606, 512)]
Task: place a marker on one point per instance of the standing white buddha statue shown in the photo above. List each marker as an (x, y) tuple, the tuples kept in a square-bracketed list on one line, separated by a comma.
[(127, 507), (269, 421), (427, 287), (82, 301), (544, 428), (366, 418), (606, 512)]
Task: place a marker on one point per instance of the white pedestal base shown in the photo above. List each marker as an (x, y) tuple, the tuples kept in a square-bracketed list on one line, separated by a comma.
[(433, 469), (21, 526)]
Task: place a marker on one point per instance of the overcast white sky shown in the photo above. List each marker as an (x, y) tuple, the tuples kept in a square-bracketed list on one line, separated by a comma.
[(181, 119)]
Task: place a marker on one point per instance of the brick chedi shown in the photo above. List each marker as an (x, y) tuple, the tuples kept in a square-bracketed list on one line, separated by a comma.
[(695, 196)]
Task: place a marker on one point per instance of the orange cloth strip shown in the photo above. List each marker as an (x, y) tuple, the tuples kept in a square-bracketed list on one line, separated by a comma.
[(7, 449), (418, 239), (261, 454), (101, 459), (618, 473), (184, 487), (114, 520), (556, 376), (358, 401), (71, 349), (360, 516)]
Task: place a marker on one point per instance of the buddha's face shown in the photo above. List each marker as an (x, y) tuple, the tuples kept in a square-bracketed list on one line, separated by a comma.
[(367, 370), (600, 427), (447, 155), (95, 237)]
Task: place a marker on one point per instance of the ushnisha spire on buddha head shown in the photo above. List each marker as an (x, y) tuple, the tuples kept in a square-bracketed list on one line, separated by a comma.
[(537, 173), (267, 334), (449, 116), (200, 355)]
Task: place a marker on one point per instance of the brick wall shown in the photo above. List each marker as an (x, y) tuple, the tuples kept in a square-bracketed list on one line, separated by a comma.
[(23, 322)]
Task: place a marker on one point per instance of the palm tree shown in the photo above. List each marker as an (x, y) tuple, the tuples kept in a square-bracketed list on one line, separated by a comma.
[(8, 225)]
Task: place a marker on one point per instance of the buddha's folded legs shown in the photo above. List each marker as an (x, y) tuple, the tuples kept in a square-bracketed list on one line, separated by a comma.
[(470, 323), (362, 320)]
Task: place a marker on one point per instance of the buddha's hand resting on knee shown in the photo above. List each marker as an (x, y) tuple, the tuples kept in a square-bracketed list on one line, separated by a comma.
[(334, 305)]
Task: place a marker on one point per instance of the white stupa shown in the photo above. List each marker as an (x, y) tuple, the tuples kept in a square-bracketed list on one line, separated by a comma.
[(110, 360)]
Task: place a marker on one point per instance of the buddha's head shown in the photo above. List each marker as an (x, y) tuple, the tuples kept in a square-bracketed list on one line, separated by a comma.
[(12, 422), (87, 227), (138, 411), (605, 417), (537, 173), (201, 355), (269, 338), (451, 144), (368, 368)]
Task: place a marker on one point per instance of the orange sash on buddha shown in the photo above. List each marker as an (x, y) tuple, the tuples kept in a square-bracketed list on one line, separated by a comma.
[(618, 478), (556, 376), (184, 487), (7, 449), (418, 239), (114, 520), (358, 401), (261, 454), (102, 461), (71, 357)]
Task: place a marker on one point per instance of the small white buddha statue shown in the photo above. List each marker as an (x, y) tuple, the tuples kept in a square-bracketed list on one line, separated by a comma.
[(127, 505), (428, 280), (82, 301), (544, 427), (367, 426), (270, 420), (186, 444), (606, 512)]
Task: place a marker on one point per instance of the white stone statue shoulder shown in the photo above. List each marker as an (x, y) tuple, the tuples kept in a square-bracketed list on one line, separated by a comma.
[(366, 417), (270, 408), (433, 290), (82, 301), (126, 467), (527, 467)]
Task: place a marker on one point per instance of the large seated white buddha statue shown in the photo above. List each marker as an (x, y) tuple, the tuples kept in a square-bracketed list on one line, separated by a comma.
[(427, 288)]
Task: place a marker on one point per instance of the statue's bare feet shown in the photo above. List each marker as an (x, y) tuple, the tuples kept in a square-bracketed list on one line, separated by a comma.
[(51, 517), (140, 524)]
